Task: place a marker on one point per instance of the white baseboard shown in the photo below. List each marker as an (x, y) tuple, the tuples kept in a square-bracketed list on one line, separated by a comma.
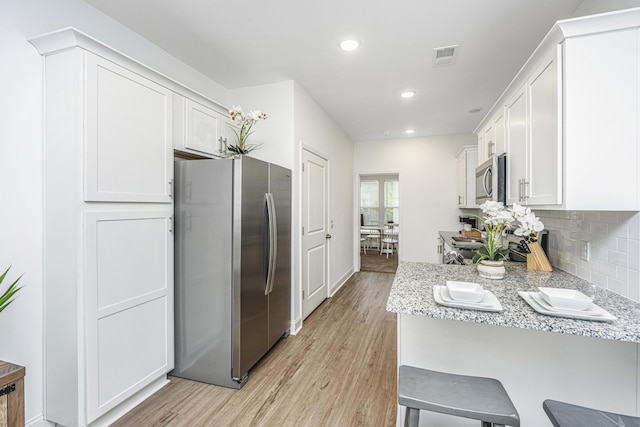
[(341, 281)]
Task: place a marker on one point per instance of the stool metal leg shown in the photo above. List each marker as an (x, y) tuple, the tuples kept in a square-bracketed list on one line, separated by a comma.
[(412, 417)]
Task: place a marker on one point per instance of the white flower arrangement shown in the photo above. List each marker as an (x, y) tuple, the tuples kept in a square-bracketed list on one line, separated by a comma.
[(497, 219), (530, 224), (243, 129)]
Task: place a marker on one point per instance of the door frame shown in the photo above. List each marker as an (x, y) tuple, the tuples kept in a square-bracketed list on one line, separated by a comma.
[(316, 152), (356, 192)]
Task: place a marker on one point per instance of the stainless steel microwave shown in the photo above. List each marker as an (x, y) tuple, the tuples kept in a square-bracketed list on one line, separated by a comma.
[(491, 180)]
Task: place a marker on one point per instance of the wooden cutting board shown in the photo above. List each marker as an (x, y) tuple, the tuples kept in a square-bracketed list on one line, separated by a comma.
[(471, 233)]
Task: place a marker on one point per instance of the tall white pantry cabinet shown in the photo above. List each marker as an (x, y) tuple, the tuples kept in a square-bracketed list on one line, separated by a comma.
[(108, 261)]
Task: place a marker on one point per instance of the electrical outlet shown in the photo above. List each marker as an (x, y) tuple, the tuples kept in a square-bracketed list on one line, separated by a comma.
[(585, 250)]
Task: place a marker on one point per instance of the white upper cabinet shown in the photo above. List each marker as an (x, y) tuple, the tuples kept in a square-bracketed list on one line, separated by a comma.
[(543, 180), (491, 139), (198, 129), (466, 163), (601, 121), (499, 141), (482, 150), (533, 153), (516, 135), (128, 135), (571, 118)]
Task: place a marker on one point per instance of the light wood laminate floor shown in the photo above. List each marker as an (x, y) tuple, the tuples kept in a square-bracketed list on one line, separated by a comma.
[(339, 370)]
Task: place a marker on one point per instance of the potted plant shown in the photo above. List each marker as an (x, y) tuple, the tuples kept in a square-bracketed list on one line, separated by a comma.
[(490, 257), (9, 294), (496, 220), (242, 128)]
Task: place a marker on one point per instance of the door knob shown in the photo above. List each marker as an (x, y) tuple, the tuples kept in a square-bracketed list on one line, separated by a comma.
[(328, 236)]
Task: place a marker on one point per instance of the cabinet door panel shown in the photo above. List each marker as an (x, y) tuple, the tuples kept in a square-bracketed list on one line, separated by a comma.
[(202, 126), (128, 135), (127, 257), (498, 127), (543, 155), (461, 182), (128, 303), (516, 131), (602, 116), (489, 141), (131, 352)]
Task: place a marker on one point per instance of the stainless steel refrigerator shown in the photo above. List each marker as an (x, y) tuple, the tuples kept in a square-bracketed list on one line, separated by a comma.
[(232, 266)]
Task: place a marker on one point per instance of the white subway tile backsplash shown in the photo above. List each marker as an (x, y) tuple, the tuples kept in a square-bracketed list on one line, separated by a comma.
[(619, 259), (623, 245), (634, 254), (615, 247), (634, 285), (599, 228)]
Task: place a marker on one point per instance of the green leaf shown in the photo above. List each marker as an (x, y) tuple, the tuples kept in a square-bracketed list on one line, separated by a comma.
[(8, 296)]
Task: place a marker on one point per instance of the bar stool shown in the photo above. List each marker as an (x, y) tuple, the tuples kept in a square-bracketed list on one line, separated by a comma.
[(567, 415), (478, 398)]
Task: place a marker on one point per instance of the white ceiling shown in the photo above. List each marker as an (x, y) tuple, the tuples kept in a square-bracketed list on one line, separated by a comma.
[(247, 43)]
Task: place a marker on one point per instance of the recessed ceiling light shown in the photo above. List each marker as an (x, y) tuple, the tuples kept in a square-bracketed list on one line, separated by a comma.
[(349, 45), (410, 131), (408, 94)]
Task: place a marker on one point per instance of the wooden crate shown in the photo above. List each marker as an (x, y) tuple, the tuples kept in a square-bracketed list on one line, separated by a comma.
[(11, 395)]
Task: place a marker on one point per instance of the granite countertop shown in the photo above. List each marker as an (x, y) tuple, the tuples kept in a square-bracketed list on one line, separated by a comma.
[(412, 293)]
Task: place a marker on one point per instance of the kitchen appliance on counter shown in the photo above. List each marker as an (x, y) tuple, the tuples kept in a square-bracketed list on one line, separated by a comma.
[(491, 180), (232, 266), (471, 221)]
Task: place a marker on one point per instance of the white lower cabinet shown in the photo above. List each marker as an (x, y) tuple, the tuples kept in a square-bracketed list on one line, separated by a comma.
[(108, 240), (128, 304)]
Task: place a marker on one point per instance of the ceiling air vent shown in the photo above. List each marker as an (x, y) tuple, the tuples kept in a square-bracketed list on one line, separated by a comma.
[(445, 55)]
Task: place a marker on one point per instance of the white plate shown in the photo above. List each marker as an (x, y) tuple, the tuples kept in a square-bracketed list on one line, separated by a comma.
[(565, 298), (465, 291), (445, 295), (591, 310), (488, 303), (594, 313)]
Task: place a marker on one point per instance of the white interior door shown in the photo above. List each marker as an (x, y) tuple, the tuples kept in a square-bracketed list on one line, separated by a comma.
[(315, 214)]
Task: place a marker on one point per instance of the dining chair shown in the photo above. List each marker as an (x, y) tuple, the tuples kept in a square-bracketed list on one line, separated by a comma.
[(389, 240)]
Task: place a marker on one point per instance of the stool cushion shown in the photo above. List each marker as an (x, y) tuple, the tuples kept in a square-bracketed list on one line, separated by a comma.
[(566, 415), (477, 398)]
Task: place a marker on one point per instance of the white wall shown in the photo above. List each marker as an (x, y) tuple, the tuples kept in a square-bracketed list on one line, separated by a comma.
[(314, 128), (427, 175), (276, 132)]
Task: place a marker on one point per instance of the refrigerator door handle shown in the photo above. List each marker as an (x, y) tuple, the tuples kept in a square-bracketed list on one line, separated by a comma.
[(273, 243)]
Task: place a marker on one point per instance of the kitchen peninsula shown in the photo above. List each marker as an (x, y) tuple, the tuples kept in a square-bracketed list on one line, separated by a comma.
[(535, 356)]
